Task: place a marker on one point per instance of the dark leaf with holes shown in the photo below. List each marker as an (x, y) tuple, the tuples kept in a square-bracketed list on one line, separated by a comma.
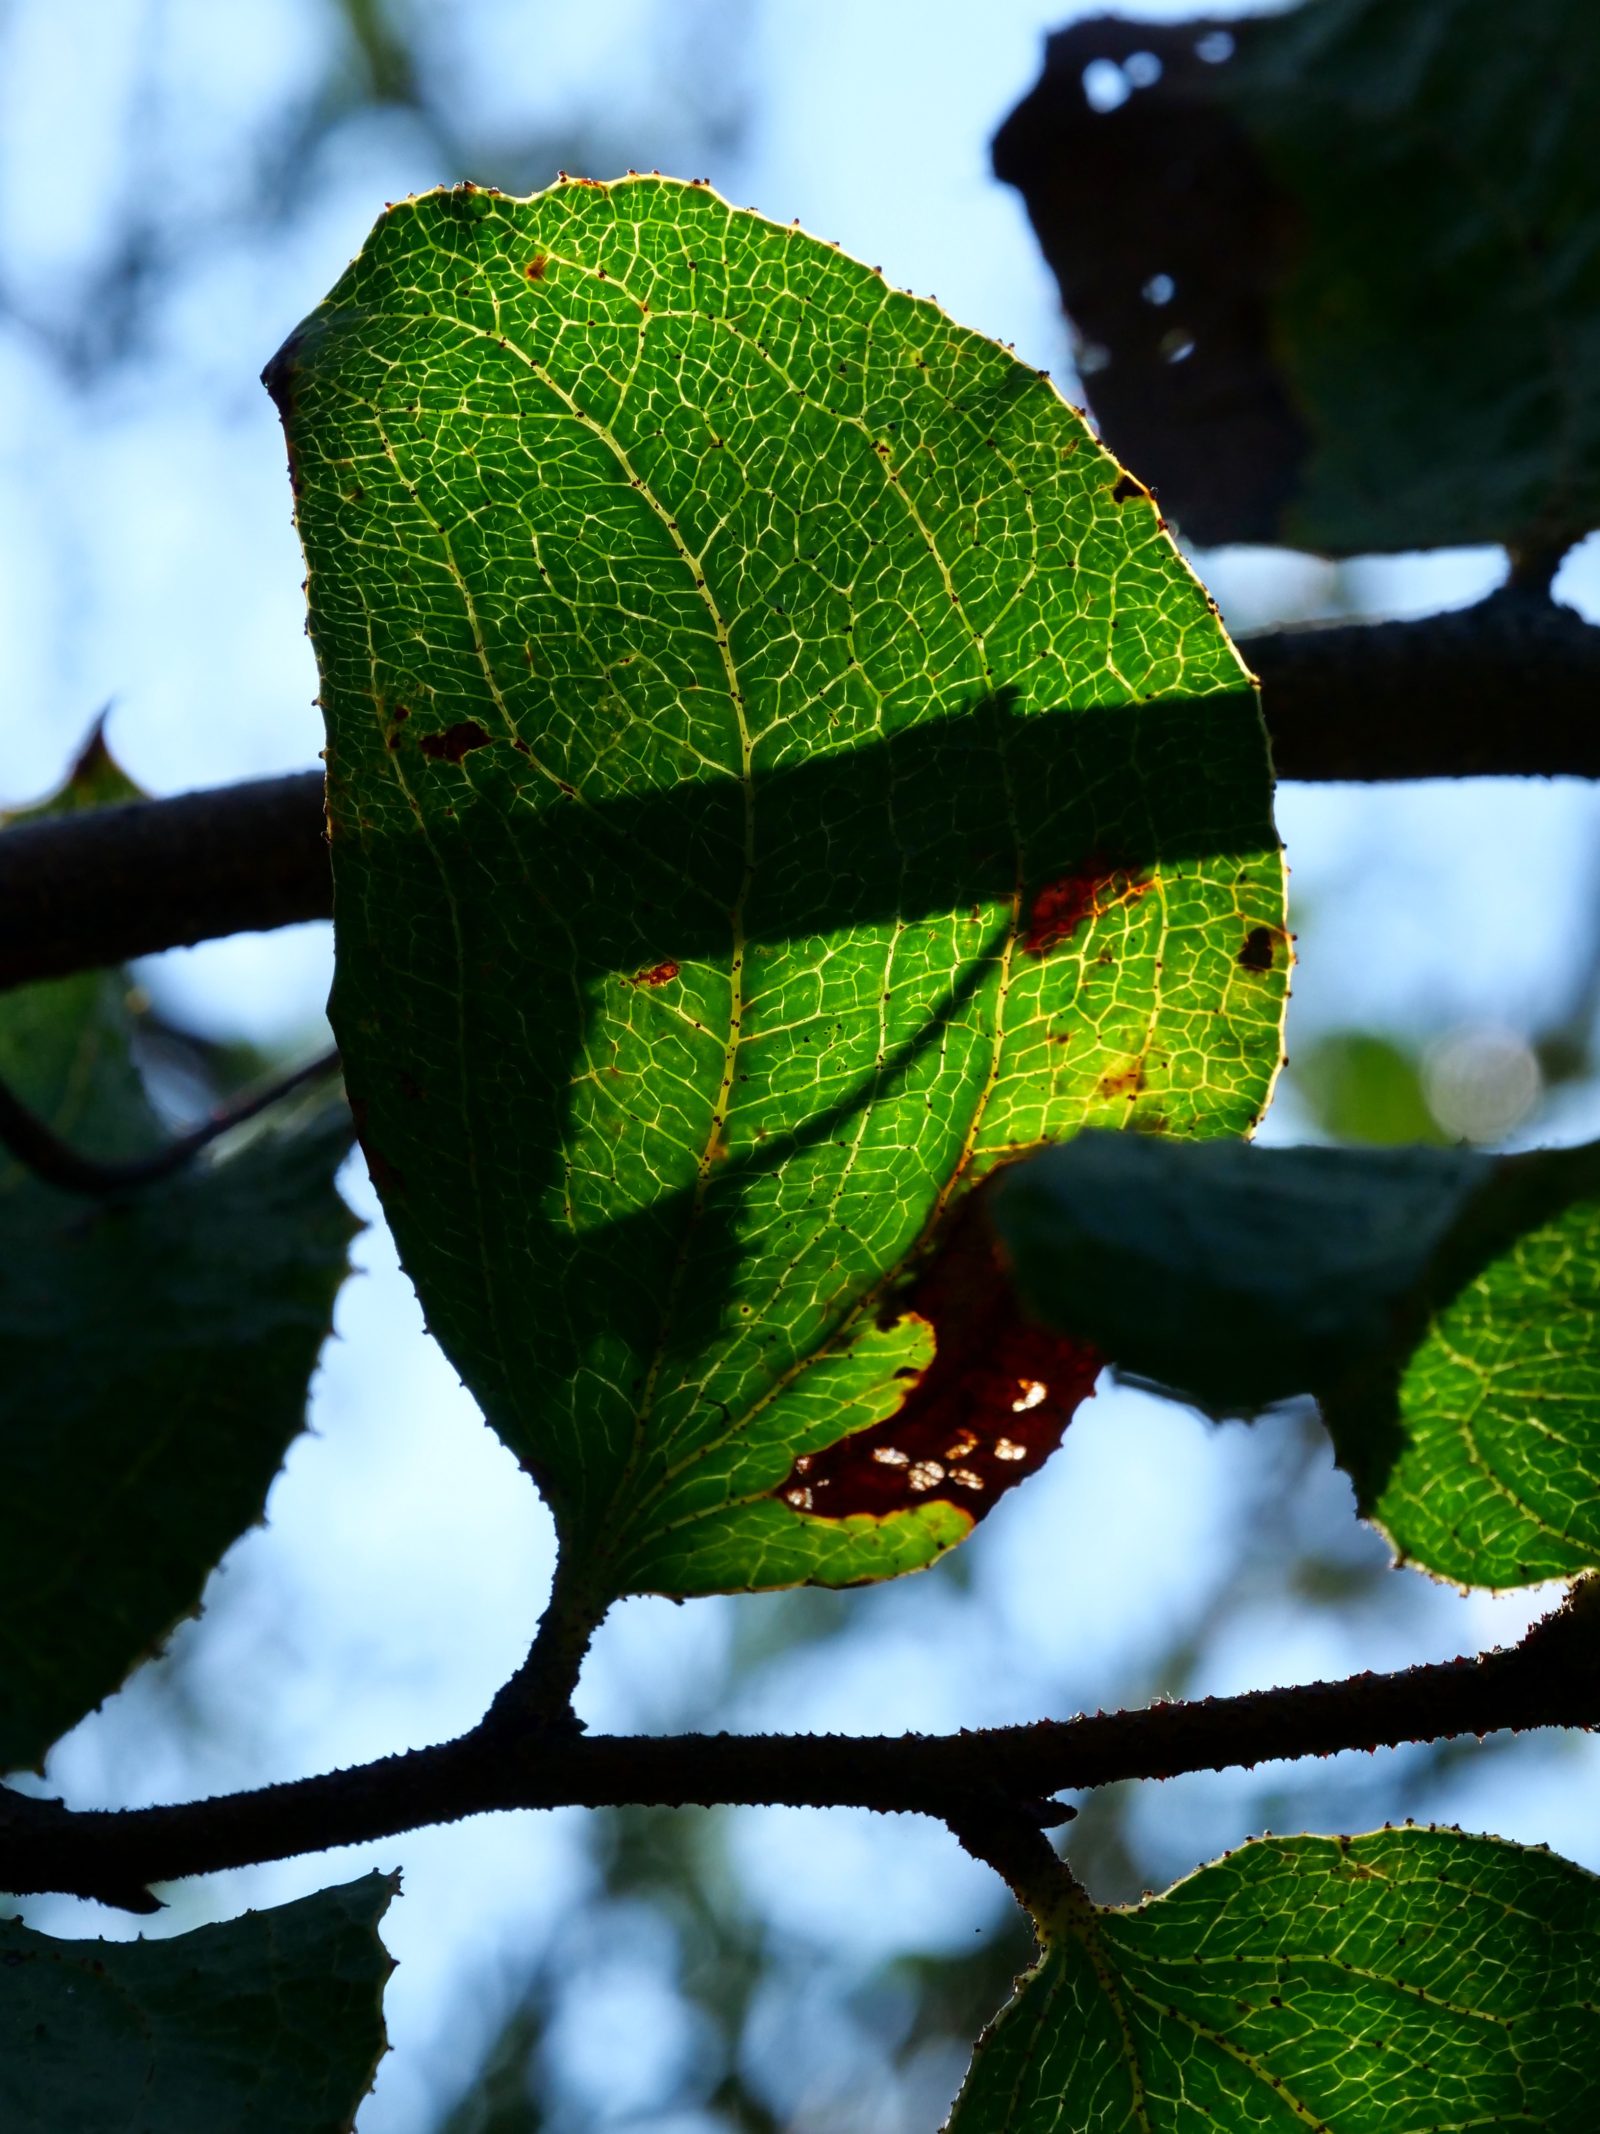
[(1335, 272)]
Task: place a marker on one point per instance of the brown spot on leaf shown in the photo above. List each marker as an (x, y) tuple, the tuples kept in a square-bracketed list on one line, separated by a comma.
[(535, 268), (989, 1408), (1090, 891), (1123, 1081), (658, 974), (1256, 954), (455, 742)]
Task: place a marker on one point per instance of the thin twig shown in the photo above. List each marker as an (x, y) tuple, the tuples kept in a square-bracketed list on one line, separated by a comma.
[(1552, 1678), (39, 1149)]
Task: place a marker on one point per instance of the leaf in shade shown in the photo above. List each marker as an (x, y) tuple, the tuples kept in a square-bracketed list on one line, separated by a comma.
[(1412, 1978), (778, 767), (271, 2021), (1444, 1308), (157, 1348), (1335, 272)]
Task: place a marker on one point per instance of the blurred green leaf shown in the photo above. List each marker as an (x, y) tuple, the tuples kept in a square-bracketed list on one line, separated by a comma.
[(273, 2021), (1409, 1979), (1362, 1087), (1443, 1307), (155, 1350), (778, 764), (1337, 269)]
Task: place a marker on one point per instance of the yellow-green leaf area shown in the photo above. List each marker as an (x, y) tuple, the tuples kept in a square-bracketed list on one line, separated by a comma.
[(1384, 1984), (722, 654)]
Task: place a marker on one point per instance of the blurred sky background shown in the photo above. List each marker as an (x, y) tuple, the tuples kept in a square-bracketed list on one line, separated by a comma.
[(179, 183)]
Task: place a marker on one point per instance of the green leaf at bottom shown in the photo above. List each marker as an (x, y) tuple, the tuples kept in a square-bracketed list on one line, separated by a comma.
[(272, 2022), (1411, 1979)]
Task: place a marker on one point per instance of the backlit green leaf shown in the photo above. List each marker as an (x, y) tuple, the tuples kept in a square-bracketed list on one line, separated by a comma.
[(155, 1350), (1444, 1307), (778, 768), (273, 2021), (1336, 270), (1412, 1979)]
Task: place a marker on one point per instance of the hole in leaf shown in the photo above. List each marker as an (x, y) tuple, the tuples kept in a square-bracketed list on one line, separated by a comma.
[(1105, 85)]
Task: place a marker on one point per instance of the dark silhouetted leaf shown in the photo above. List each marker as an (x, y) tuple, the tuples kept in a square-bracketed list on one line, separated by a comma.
[(1406, 1980), (271, 2022), (778, 767), (1335, 272), (1444, 1308), (157, 1347)]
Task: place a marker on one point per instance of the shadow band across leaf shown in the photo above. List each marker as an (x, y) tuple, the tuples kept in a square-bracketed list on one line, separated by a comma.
[(626, 894)]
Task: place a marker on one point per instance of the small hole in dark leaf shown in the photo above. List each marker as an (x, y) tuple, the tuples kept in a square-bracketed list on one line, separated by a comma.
[(1159, 289), (1214, 47), (1143, 69), (1092, 357), (1177, 346), (1105, 86)]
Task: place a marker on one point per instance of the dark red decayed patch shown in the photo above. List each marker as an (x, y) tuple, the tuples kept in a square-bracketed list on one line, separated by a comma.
[(1061, 906), (658, 974), (455, 741), (989, 1409)]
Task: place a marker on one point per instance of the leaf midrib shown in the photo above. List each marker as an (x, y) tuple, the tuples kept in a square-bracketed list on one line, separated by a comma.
[(851, 1318)]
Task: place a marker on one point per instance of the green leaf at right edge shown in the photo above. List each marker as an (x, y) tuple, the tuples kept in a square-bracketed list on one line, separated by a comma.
[(1409, 1980), (779, 766), (156, 1347), (1339, 265), (272, 2022), (1443, 1307)]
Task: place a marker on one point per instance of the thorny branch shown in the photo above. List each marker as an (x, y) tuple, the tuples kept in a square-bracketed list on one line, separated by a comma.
[(1552, 1678), (1365, 701)]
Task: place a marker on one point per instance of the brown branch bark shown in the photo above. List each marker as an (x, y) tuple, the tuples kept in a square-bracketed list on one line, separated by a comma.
[(1552, 1678), (81, 891), (1508, 688)]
